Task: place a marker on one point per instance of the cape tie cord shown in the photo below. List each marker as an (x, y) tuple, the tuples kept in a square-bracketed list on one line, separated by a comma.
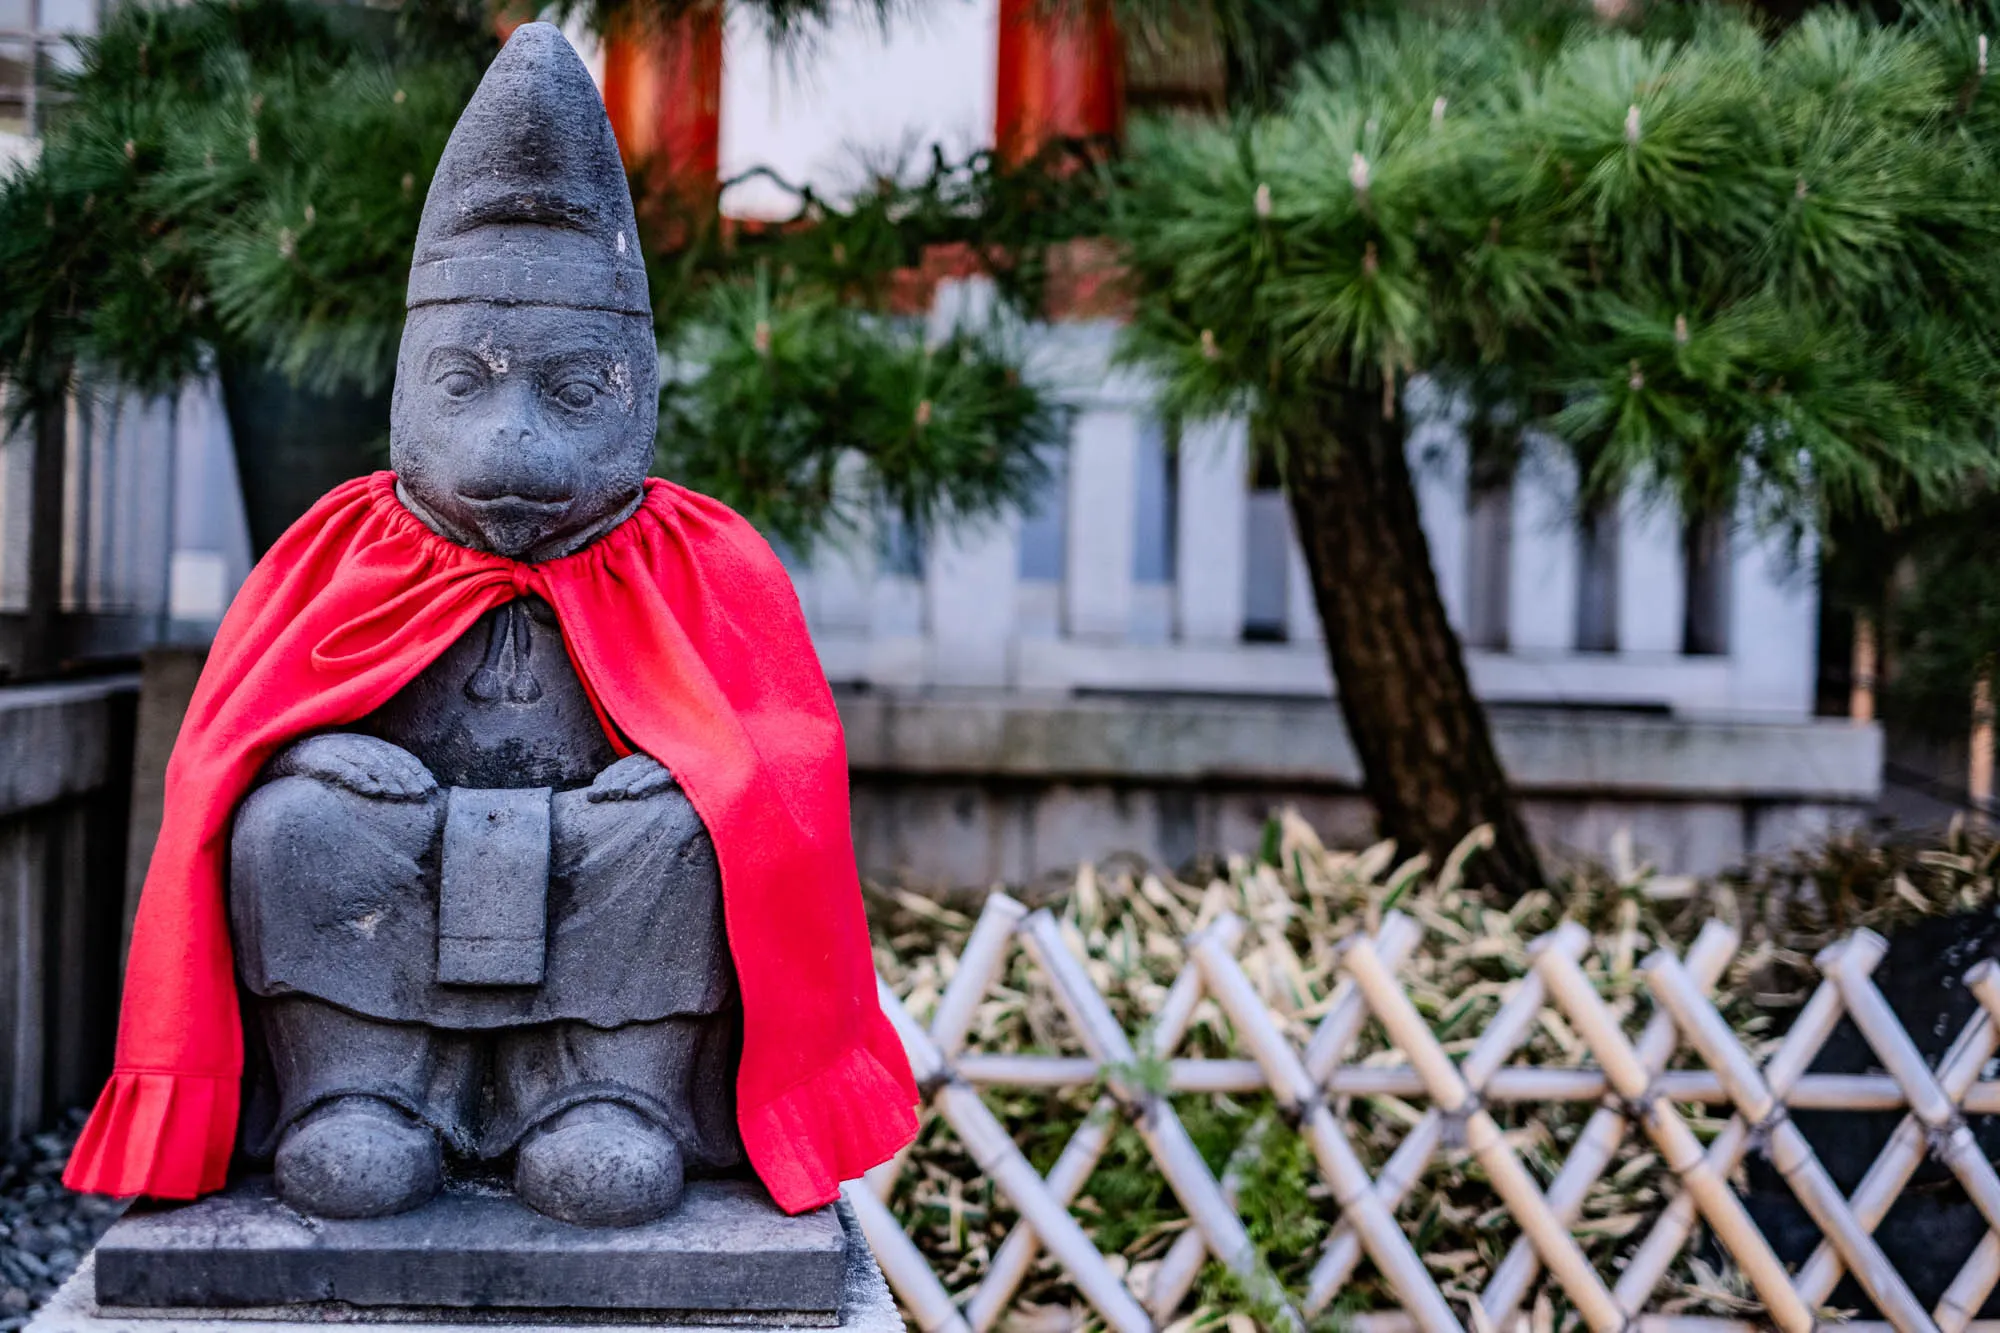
[(484, 683), (504, 672), (684, 629)]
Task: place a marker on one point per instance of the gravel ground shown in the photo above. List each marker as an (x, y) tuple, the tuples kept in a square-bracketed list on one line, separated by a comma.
[(44, 1229)]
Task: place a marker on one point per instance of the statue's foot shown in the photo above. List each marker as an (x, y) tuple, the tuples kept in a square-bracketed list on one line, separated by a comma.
[(358, 1157), (600, 1164)]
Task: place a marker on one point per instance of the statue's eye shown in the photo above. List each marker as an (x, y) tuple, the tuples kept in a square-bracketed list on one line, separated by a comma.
[(577, 395), (459, 383)]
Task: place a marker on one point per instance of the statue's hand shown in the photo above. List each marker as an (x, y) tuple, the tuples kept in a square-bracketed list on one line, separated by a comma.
[(632, 778), (362, 764)]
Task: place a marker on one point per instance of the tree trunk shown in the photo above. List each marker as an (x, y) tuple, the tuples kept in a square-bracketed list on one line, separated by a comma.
[(1427, 758)]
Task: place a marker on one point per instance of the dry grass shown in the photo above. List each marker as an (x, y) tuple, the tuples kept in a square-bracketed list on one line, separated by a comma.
[(1300, 900)]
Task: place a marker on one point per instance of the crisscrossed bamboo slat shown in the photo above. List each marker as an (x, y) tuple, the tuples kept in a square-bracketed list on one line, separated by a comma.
[(1630, 1079)]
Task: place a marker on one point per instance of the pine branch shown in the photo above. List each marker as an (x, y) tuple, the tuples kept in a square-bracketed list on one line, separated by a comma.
[(807, 415), (1743, 265)]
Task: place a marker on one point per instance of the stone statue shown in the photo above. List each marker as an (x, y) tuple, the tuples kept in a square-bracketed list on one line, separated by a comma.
[(505, 883), (467, 924), (505, 872)]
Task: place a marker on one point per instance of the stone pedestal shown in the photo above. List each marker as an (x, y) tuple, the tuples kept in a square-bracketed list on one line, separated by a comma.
[(715, 1263)]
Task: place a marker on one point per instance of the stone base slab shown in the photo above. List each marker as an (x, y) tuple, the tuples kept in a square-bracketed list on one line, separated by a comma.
[(866, 1306), (241, 1260)]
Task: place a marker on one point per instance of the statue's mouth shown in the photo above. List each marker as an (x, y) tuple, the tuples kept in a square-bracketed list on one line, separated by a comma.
[(518, 505)]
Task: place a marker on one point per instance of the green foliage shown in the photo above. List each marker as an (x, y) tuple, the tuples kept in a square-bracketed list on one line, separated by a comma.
[(1719, 265), (1275, 1197), (804, 394), (805, 414), (1148, 1072), (1945, 620), (1001, 219), (1278, 1198), (237, 175), (307, 243), (245, 178)]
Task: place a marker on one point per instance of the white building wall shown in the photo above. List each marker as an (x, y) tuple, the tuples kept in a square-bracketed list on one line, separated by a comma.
[(855, 101), (1095, 627)]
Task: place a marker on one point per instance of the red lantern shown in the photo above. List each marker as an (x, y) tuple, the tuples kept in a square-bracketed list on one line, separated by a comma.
[(1061, 75)]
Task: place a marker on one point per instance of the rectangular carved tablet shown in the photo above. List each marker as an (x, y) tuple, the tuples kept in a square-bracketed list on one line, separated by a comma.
[(493, 889)]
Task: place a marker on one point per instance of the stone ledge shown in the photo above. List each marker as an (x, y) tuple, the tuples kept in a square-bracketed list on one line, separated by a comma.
[(56, 740), (1187, 739), (866, 1306), (727, 1250)]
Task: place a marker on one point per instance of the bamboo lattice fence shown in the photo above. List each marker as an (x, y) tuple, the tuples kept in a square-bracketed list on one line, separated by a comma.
[(1651, 1077)]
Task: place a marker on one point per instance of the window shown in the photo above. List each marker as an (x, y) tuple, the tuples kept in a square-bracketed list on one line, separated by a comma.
[(33, 40), (1706, 557), (1597, 579), (1267, 534), (1154, 519), (17, 66), (1044, 524), (900, 546), (1489, 553)]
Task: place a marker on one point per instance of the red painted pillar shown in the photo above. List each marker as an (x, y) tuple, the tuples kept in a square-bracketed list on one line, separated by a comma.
[(663, 89), (1061, 75)]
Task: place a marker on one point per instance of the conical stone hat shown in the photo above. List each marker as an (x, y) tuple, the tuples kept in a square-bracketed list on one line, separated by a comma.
[(530, 205)]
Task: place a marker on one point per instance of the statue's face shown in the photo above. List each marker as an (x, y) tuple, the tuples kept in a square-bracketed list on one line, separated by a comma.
[(523, 430)]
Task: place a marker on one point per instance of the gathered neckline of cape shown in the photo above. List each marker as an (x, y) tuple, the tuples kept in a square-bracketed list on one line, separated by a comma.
[(381, 493)]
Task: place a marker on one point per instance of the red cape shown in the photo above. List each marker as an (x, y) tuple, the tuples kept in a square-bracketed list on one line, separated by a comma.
[(689, 638)]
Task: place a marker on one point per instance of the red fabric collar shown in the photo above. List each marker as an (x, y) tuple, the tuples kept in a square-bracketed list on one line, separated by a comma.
[(685, 629)]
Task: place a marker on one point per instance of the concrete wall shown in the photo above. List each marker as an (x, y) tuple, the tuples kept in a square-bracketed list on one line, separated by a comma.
[(971, 788), (65, 783), (979, 788)]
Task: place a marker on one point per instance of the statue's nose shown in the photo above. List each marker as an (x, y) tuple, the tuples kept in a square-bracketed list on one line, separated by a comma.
[(521, 459)]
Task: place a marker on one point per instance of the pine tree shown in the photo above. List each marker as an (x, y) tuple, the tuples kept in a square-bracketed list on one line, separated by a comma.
[(1746, 273)]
